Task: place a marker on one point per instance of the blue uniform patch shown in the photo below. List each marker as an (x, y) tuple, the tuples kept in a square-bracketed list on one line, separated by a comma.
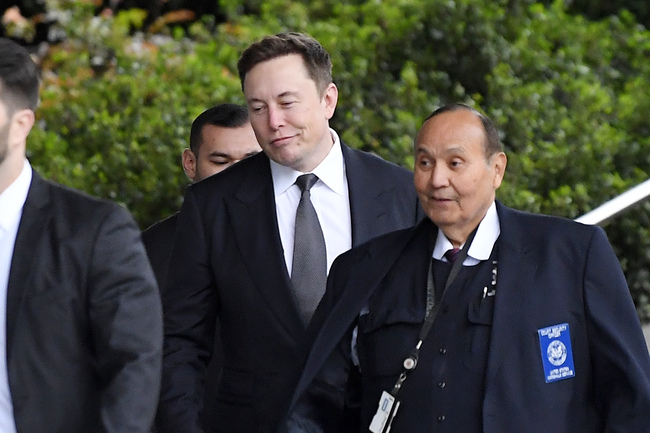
[(557, 356)]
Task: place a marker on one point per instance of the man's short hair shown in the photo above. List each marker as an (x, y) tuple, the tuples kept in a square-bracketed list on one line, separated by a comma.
[(19, 77), (316, 59), (492, 144), (222, 115)]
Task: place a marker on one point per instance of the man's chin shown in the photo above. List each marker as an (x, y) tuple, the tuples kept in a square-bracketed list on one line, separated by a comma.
[(438, 219), (286, 159)]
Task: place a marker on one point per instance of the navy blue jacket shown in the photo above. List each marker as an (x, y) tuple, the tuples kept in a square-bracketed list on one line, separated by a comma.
[(551, 271)]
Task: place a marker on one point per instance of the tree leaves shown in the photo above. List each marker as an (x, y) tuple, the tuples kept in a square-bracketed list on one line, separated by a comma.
[(568, 94)]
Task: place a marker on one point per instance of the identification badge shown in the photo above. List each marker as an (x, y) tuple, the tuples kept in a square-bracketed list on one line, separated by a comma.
[(385, 412), (557, 356)]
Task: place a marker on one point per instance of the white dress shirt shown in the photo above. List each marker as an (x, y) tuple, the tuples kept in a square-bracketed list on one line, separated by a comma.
[(486, 236), (12, 201), (330, 197)]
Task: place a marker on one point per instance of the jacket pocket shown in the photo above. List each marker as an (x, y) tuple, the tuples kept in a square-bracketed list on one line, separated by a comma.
[(385, 338), (479, 316)]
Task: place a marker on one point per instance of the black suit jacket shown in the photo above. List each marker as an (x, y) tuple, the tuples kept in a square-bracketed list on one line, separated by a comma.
[(550, 271), (228, 261), (158, 240), (84, 322)]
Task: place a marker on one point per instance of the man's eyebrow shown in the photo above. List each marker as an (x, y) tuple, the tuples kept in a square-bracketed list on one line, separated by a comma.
[(455, 149), (216, 153), (288, 93)]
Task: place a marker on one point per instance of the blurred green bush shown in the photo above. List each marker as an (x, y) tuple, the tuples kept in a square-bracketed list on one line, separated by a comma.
[(569, 95)]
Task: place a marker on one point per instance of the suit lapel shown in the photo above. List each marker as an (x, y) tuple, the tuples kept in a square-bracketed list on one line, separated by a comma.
[(251, 211), (516, 268), (366, 196), (356, 294), (37, 212)]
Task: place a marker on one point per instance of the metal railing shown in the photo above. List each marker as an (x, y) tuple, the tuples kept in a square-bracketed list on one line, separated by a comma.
[(619, 204)]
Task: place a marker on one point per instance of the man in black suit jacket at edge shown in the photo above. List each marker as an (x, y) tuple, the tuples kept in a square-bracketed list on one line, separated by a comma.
[(536, 333), (219, 137), (83, 337), (232, 255)]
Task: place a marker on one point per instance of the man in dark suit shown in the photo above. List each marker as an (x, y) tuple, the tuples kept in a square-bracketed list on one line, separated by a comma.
[(233, 252), (532, 325), (220, 137), (82, 347)]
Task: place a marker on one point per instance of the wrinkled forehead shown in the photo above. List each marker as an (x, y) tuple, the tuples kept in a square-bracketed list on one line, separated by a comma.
[(451, 130)]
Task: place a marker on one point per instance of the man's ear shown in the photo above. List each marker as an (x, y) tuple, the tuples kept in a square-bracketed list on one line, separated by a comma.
[(21, 124), (189, 164), (500, 161), (330, 98)]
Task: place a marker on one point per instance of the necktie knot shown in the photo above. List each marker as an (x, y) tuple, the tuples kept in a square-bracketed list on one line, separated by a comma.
[(452, 254), (306, 181)]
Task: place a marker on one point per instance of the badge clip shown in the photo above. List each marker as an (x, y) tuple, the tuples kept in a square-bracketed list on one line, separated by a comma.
[(383, 418)]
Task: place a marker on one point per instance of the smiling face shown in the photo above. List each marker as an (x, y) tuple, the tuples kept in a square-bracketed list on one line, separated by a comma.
[(455, 179), (288, 114)]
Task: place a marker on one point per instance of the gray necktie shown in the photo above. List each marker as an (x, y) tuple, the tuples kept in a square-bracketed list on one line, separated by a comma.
[(309, 269)]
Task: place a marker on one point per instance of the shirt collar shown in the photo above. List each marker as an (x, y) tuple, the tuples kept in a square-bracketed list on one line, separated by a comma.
[(13, 198), (486, 236), (330, 171)]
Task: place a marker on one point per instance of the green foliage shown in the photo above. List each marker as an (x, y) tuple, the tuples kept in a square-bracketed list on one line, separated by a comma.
[(119, 133), (566, 92)]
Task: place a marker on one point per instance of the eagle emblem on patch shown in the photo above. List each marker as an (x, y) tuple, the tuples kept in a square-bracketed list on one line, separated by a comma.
[(557, 357)]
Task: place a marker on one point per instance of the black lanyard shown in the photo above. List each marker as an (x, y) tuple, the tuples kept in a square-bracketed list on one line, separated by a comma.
[(432, 310)]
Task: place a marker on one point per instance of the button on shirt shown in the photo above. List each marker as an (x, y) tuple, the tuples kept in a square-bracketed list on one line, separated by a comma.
[(479, 251), (12, 201), (330, 197)]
